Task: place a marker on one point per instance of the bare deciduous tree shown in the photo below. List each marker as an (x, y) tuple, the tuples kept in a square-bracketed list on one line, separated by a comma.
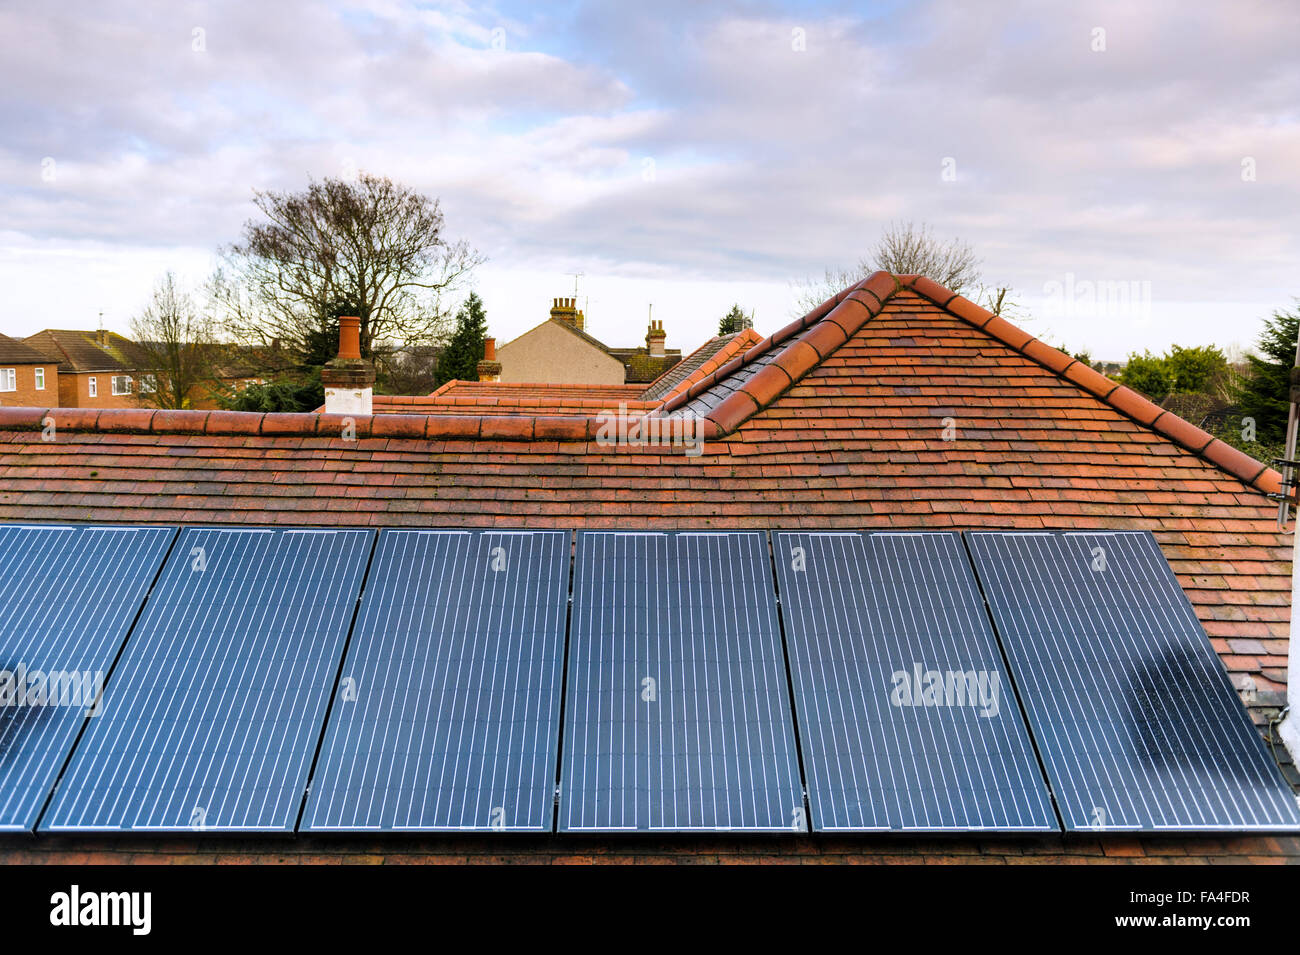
[(902, 248), (999, 302), (369, 246), (407, 371), (906, 247), (176, 352)]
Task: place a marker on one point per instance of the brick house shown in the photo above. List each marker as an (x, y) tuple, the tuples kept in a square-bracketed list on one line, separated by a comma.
[(27, 377), (97, 369), (102, 369), (834, 422)]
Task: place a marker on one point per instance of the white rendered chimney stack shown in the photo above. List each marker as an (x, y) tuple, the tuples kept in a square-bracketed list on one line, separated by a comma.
[(349, 380)]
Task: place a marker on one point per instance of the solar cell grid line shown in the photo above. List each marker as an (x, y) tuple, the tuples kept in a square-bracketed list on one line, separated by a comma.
[(907, 717), (1138, 723), (213, 714), (68, 597), (677, 716), (448, 714)]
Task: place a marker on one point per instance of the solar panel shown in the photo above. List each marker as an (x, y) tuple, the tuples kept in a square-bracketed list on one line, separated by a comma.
[(447, 715), (1133, 713), (68, 596), (215, 710), (906, 716), (677, 713)]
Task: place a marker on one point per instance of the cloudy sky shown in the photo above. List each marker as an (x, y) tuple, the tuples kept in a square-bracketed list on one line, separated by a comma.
[(679, 153)]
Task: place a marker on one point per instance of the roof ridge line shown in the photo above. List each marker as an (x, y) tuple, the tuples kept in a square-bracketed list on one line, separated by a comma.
[(828, 326), (445, 386), (581, 333), (1125, 400), (712, 364), (66, 359), (515, 427), (814, 317)]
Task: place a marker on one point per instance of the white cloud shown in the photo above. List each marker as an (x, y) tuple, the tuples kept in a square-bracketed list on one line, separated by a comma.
[(769, 162)]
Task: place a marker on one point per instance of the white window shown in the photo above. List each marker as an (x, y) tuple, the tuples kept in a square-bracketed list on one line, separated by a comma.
[(121, 384), (93, 384), (40, 379), (148, 384), (8, 379)]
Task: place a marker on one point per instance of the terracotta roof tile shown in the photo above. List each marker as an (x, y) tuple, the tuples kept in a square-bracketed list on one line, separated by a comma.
[(491, 398), (1185, 433)]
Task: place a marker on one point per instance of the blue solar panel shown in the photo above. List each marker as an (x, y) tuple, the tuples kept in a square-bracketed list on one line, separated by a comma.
[(447, 714), (214, 712), (1137, 722), (68, 596), (906, 715), (677, 713)]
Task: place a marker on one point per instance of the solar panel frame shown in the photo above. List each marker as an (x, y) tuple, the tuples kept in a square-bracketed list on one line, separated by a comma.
[(872, 621), (67, 603), (484, 739), (618, 766), (215, 710), (1110, 712)]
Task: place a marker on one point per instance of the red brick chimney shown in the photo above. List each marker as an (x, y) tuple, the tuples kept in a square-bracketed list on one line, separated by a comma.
[(566, 310), (349, 380), (489, 369), (654, 339)]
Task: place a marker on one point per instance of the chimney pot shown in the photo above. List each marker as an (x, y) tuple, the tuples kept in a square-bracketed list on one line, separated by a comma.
[(349, 338), (565, 310), (489, 369)]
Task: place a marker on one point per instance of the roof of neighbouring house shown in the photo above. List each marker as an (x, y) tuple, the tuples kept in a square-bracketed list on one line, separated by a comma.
[(838, 420), (495, 397), (719, 348), (642, 367), (80, 351), (15, 352)]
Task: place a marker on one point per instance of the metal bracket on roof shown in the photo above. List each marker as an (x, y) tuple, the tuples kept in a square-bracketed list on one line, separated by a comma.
[(1290, 471)]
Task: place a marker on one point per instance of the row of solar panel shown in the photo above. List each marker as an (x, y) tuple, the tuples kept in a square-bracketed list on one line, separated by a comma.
[(273, 680)]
